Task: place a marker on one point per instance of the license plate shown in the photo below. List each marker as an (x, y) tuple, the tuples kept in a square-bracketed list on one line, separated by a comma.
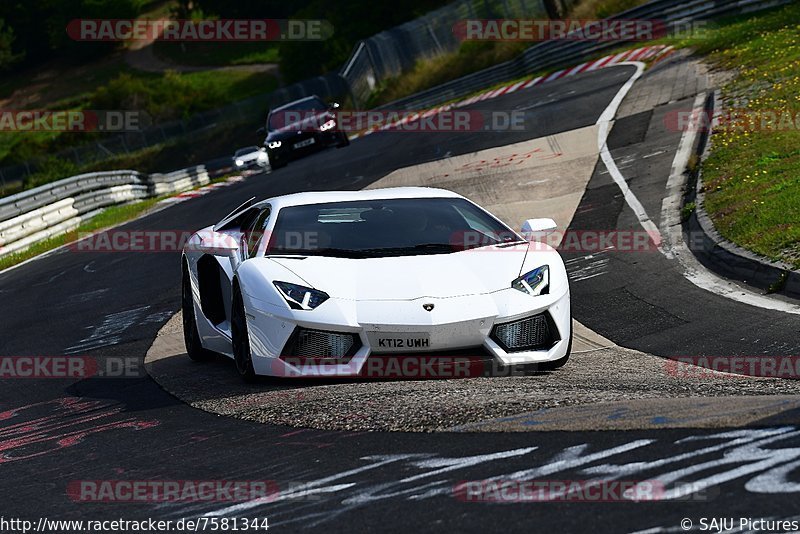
[(301, 144), (406, 341)]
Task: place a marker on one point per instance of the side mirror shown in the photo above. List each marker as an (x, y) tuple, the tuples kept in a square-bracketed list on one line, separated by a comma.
[(535, 229), (334, 105), (261, 131), (216, 243)]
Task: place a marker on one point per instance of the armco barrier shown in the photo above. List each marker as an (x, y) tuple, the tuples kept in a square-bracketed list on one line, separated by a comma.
[(174, 182), (46, 194), (52, 209)]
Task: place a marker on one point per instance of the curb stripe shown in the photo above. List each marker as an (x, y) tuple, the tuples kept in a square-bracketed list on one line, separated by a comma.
[(554, 76)]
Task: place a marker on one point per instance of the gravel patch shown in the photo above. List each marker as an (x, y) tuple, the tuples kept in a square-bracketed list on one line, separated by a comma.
[(594, 377)]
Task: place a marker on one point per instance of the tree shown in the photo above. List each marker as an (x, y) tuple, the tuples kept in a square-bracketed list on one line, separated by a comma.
[(555, 8), (7, 55)]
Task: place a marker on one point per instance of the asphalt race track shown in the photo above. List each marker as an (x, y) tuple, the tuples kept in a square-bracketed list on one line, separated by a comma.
[(104, 305)]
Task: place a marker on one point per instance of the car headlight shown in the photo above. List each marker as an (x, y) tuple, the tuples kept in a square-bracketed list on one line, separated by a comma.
[(301, 297), (327, 126), (274, 144), (534, 283), (239, 162)]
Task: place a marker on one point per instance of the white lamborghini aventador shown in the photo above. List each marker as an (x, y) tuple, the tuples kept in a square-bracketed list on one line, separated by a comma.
[(318, 284)]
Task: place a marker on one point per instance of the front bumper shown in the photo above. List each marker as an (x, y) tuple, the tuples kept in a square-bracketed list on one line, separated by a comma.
[(251, 165), (455, 326), (287, 150)]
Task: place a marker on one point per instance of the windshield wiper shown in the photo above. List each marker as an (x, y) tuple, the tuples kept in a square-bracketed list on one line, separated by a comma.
[(505, 244)]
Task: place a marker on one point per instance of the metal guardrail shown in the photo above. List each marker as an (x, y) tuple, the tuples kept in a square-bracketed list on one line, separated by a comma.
[(549, 54), (40, 196), (52, 209)]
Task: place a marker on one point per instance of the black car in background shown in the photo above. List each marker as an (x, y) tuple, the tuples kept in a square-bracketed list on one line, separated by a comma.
[(301, 127)]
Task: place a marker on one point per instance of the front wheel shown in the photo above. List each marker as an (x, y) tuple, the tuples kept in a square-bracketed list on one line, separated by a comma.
[(240, 339), (191, 338), (343, 140)]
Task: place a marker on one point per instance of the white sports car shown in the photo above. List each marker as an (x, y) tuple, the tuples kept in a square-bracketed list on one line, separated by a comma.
[(323, 283)]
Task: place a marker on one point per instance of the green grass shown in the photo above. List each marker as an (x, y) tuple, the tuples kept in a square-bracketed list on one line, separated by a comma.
[(162, 97), (61, 79), (687, 210), (217, 54), (471, 56), (179, 95), (752, 178), (600, 9), (182, 152)]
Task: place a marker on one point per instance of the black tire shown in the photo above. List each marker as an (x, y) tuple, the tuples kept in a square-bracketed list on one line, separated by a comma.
[(240, 340), (191, 338), (343, 140)]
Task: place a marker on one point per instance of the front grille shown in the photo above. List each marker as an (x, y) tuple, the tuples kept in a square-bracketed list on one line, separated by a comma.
[(320, 345), (530, 333)]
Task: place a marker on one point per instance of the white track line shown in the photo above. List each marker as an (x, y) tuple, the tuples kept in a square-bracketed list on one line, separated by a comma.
[(604, 122), (675, 248)]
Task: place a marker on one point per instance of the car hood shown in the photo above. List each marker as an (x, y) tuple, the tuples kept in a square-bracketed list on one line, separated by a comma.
[(310, 123), (471, 272)]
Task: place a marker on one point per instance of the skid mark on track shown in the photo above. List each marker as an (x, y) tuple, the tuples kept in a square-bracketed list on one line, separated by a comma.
[(586, 267), (51, 279), (87, 296), (763, 461), (110, 331), (46, 427)]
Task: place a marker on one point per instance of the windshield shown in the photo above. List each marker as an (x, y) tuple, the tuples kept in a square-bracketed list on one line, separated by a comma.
[(379, 228), (279, 118)]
